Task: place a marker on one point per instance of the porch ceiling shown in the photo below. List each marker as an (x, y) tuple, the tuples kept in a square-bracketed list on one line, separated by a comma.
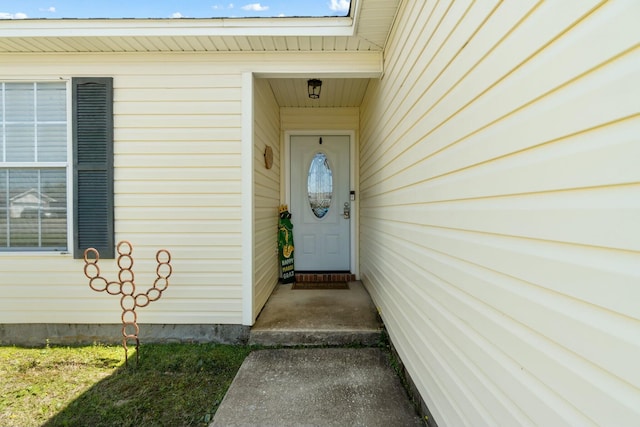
[(366, 29), (335, 92)]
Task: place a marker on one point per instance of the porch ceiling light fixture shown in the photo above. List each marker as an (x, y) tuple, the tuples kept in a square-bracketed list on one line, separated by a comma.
[(314, 86)]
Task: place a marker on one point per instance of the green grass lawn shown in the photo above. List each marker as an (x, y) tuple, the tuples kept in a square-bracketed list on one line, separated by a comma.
[(173, 384)]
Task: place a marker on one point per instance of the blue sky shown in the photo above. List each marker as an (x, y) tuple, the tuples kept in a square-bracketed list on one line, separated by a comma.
[(56, 9)]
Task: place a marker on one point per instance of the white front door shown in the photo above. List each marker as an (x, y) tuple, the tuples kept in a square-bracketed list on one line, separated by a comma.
[(320, 202)]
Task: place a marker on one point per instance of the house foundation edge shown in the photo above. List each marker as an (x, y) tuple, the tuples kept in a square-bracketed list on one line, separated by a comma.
[(41, 334)]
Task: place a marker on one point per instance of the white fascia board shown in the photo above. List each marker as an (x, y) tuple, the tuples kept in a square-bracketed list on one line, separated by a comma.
[(331, 26)]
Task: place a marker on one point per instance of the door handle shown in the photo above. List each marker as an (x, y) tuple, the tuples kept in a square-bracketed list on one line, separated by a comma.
[(347, 210)]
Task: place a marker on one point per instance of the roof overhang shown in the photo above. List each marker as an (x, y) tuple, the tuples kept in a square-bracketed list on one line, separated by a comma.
[(217, 27), (365, 30)]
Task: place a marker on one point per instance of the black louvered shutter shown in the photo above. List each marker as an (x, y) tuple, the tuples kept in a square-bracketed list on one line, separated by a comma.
[(93, 165)]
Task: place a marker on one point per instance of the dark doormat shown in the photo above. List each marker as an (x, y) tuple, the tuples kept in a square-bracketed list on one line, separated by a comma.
[(320, 285)]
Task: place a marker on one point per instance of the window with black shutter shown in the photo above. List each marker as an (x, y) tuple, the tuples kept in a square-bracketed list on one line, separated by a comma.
[(34, 166)]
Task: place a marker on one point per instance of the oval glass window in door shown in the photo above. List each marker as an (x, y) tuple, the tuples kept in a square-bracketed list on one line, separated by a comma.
[(320, 185)]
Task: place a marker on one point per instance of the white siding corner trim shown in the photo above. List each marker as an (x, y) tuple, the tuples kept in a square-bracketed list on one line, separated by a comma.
[(247, 199)]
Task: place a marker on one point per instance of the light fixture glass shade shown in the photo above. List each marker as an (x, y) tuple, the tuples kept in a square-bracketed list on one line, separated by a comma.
[(314, 86)]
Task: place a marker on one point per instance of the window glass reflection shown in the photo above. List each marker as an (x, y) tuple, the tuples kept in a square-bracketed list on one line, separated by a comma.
[(320, 185)]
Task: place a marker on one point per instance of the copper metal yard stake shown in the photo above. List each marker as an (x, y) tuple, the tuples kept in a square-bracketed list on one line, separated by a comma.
[(125, 286)]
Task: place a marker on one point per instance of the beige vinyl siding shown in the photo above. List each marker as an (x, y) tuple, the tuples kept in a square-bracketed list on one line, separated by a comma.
[(345, 118), (266, 194), (500, 209), (177, 186), (178, 182)]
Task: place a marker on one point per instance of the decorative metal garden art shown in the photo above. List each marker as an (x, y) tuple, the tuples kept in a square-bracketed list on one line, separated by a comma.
[(125, 286)]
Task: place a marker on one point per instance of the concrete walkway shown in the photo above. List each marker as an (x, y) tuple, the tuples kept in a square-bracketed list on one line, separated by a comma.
[(316, 387)]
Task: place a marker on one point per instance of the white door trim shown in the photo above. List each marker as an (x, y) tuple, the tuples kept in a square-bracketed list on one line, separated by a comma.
[(354, 184)]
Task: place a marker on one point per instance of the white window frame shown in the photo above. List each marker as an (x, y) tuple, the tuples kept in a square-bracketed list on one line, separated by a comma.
[(68, 164)]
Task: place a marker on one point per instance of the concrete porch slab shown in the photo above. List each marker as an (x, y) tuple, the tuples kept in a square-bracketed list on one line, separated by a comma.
[(317, 317)]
